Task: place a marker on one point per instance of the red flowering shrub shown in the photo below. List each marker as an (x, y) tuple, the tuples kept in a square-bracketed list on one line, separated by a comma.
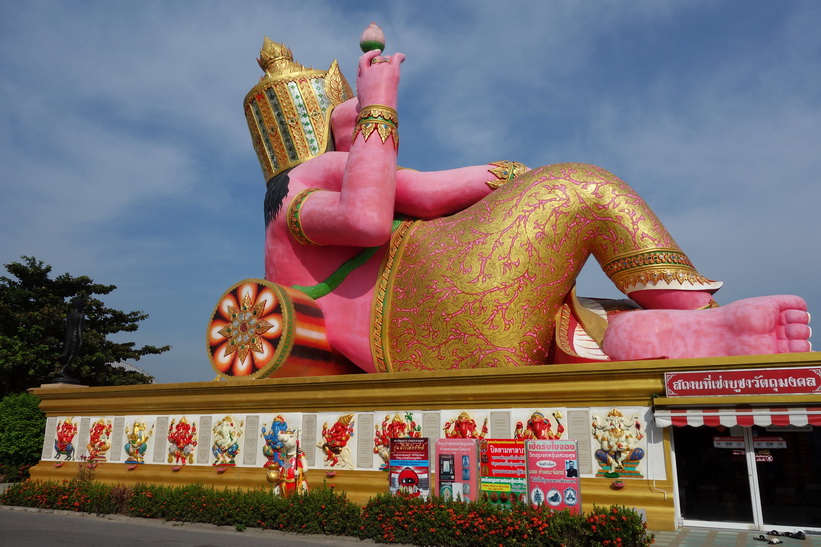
[(74, 495), (401, 519), (617, 526)]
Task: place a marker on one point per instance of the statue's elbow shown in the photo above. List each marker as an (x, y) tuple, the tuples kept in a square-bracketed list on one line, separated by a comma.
[(369, 231), (369, 238)]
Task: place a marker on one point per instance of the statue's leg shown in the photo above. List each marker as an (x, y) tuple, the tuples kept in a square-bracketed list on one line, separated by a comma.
[(641, 258), (481, 288), (630, 243)]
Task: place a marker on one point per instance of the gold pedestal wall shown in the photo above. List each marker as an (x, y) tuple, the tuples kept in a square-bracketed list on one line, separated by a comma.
[(580, 386)]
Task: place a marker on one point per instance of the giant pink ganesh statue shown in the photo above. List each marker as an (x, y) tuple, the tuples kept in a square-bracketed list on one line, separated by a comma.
[(466, 268)]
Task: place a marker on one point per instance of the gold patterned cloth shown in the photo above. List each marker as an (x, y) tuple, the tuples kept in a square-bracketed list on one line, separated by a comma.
[(482, 288)]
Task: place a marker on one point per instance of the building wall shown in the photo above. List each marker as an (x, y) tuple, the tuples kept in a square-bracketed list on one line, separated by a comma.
[(576, 393)]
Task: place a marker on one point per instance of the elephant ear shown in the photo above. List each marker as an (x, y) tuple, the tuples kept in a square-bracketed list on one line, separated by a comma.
[(337, 88)]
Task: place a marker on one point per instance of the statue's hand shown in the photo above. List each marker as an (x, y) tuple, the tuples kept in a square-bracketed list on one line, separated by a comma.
[(377, 80)]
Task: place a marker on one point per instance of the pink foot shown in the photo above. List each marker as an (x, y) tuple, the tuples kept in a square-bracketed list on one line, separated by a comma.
[(754, 326)]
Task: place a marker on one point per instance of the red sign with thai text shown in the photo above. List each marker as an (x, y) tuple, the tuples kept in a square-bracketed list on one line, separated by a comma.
[(553, 474), (409, 467), (502, 471), (766, 381)]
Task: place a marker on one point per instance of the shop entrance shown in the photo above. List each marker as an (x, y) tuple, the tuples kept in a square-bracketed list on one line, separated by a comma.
[(760, 477)]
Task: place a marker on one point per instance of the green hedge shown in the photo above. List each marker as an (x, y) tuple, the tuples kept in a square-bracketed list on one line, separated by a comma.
[(23, 425), (384, 519)]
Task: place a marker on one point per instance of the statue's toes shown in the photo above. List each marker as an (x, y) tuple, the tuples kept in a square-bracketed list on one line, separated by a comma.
[(793, 331), (789, 302), (798, 331), (795, 316), (794, 338), (799, 346)]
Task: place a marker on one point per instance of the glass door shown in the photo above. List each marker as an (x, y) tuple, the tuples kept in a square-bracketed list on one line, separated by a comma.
[(760, 477), (713, 481), (789, 480)]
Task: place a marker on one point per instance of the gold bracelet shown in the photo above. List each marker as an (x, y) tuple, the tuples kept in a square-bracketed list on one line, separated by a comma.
[(378, 112), (380, 118), (384, 130), (294, 222), (505, 171)]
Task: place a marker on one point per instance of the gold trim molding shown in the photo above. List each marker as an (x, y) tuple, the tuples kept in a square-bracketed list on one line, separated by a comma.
[(594, 384)]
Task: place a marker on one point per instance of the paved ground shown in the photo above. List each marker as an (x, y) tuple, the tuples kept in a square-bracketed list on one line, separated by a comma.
[(702, 537), (26, 527)]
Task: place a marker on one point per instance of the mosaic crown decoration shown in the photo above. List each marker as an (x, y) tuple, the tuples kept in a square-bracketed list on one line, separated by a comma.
[(289, 110)]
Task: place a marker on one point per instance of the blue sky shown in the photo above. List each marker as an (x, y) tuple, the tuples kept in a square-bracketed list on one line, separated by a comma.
[(126, 157)]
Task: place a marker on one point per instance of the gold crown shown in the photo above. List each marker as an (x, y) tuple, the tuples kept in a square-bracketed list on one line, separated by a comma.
[(277, 59), (289, 110)]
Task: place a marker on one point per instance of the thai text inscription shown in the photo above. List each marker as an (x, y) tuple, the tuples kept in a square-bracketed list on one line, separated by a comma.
[(781, 381)]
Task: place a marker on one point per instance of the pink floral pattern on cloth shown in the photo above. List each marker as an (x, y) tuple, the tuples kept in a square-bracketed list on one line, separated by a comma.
[(482, 288)]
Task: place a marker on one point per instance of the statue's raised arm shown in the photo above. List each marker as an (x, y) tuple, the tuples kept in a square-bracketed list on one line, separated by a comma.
[(359, 212)]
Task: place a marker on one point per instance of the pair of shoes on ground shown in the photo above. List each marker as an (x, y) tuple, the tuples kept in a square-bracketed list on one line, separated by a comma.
[(793, 535), (773, 541)]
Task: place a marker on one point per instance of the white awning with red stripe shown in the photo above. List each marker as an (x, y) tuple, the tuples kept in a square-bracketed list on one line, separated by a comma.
[(746, 417)]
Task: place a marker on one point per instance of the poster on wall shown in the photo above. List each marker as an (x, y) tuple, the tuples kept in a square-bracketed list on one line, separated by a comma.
[(409, 467), (502, 471), (457, 469), (553, 474)]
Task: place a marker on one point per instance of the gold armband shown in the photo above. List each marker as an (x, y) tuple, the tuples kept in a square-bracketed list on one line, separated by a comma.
[(380, 118), (651, 267), (505, 171), (294, 222)]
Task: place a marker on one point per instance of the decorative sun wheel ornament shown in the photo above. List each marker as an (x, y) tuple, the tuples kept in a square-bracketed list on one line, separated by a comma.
[(259, 329), (245, 333)]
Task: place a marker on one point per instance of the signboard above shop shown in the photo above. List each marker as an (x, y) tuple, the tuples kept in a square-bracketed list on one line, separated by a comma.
[(723, 383), (758, 442)]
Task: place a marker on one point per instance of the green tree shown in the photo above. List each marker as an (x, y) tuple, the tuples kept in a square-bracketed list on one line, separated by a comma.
[(23, 424), (33, 310)]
